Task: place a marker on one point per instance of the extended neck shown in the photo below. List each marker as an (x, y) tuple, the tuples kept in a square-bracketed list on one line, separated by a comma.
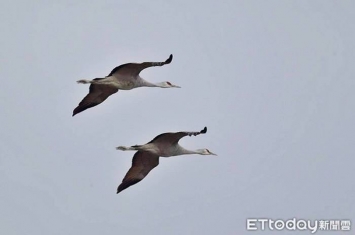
[(145, 83), (187, 151)]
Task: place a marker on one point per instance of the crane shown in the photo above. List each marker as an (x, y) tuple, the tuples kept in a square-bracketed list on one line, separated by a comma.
[(147, 156)]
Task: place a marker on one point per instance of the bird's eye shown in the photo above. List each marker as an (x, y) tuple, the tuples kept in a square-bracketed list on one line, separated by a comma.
[(168, 83), (208, 150)]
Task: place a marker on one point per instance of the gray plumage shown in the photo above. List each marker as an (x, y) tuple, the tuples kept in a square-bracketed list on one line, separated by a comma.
[(123, 77), (147, 156)]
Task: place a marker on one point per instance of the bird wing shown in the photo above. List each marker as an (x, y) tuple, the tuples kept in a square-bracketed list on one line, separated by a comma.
[(98, 93), (133, 69), (142, 163), (173, 138)]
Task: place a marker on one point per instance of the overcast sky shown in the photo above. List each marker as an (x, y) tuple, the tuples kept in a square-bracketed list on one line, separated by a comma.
[(272, 80)]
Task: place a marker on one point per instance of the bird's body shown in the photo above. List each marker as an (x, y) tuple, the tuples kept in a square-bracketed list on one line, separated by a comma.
[(147, 156), (159, 149), (163, 149), (123, 77), (115, 82)]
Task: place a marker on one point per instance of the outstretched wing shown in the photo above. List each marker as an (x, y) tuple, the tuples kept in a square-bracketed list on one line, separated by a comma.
[(173, 138), (133, 69), (142, 163), (98, 93)]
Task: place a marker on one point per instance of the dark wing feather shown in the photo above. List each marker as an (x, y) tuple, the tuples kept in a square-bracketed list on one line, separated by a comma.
[(133, 69), (98, 93), (173, 138), (125, 69), (142, 163)]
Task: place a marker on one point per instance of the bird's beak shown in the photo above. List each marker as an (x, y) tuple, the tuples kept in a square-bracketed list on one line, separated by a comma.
[(213, 154), (176, 86)]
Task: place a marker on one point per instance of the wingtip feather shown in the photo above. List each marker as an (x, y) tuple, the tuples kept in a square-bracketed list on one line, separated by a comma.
[(76, 111), (168, 61)]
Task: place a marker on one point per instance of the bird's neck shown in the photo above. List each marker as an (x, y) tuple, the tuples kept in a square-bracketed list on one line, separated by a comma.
[(187, 151), (145, 83)]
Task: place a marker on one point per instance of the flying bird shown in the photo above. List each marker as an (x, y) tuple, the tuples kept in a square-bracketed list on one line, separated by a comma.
[(123, 77), (147, 156)]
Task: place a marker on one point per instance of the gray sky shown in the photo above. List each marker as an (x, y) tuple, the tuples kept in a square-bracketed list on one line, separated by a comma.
[(272, 80)]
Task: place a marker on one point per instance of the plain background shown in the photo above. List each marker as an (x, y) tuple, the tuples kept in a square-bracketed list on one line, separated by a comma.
[(272, 80)]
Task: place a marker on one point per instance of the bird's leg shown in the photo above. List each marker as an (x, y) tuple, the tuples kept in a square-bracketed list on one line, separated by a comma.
[(124, 148), (84, 81), (95, 81)]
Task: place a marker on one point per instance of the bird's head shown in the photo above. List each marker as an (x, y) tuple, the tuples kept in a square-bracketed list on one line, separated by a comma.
[(205, 152), (168, 85)]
